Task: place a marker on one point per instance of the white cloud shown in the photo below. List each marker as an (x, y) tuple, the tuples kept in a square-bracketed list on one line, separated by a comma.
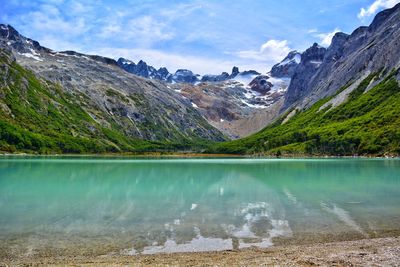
[(49, 20), (326, 38), (143, 31), (77, 7), (59, 44), (269, 53), (375, 7), (148, 28), (314, 30), (178, 11)]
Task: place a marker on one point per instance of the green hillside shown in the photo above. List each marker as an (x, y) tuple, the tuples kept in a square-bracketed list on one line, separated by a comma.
[(368, 123), (37, 116)]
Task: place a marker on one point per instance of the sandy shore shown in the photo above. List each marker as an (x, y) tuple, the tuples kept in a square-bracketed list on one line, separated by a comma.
[(371, 252)]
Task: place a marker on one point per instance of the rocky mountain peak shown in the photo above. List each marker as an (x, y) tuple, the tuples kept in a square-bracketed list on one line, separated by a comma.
[(124, 61), (348, 59), (383, 16), (359, 31), (163, 70), (17, 41), (235, 72), (184, 76), (142, 69), (250, 72), (215, 78), (313, 54), (8, 32), (287, 66), (335, 51), (339, 38)]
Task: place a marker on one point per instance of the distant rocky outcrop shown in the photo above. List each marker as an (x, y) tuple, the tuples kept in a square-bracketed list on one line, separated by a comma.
[(184, 76), (144, 70), (235, 72), (287, 66), (249, 72), (222, 77), (180, 76), (261, 84), (215, 78)]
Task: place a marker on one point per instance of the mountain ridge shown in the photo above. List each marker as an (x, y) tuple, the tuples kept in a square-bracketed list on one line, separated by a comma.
[(347, 59), (115, 99), (322, 87), (343, 100)]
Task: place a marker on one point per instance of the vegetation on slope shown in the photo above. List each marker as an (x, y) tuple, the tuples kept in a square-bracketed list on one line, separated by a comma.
[(368, 123), (37, 116)]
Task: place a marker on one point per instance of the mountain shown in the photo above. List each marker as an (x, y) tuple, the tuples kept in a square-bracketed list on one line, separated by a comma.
[(143, 70), (180, 76), (349, 59), (238, 104), (367, 123), (162, 107), (162, 74), (342, 100), (111, 100), (184, 76), (287, 66)]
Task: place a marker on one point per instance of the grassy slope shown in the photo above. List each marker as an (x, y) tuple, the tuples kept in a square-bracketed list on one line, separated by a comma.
[(367, 123), (38, 116)]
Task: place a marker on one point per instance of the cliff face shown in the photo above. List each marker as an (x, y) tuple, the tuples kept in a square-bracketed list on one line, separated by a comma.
[(349, 58)]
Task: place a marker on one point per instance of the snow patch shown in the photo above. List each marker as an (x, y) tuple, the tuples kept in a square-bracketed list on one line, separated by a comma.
[(194, 105), (34, 52), (279, 84), (75, 56), (318, 63), (29, 55), (296, 59), (244, 79)]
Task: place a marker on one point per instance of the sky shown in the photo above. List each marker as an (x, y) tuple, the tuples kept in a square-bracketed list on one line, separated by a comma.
[(207, 37)]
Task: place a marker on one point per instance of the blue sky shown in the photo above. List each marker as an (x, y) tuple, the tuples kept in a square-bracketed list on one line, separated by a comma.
[(205, 36)]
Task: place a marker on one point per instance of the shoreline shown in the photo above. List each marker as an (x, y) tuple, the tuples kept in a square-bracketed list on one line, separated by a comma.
[(376, 251), (192, 155)]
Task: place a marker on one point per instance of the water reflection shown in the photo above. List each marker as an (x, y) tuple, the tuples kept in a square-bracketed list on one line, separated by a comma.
[(152, 206)]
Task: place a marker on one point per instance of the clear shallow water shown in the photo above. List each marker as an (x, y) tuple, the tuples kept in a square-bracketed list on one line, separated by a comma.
[(134, 206)]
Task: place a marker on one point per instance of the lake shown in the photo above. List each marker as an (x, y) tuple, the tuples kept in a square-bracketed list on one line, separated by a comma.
[(105, 206)]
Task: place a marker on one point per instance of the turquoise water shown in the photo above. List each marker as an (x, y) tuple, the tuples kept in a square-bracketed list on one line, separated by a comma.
[(132, 206)]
